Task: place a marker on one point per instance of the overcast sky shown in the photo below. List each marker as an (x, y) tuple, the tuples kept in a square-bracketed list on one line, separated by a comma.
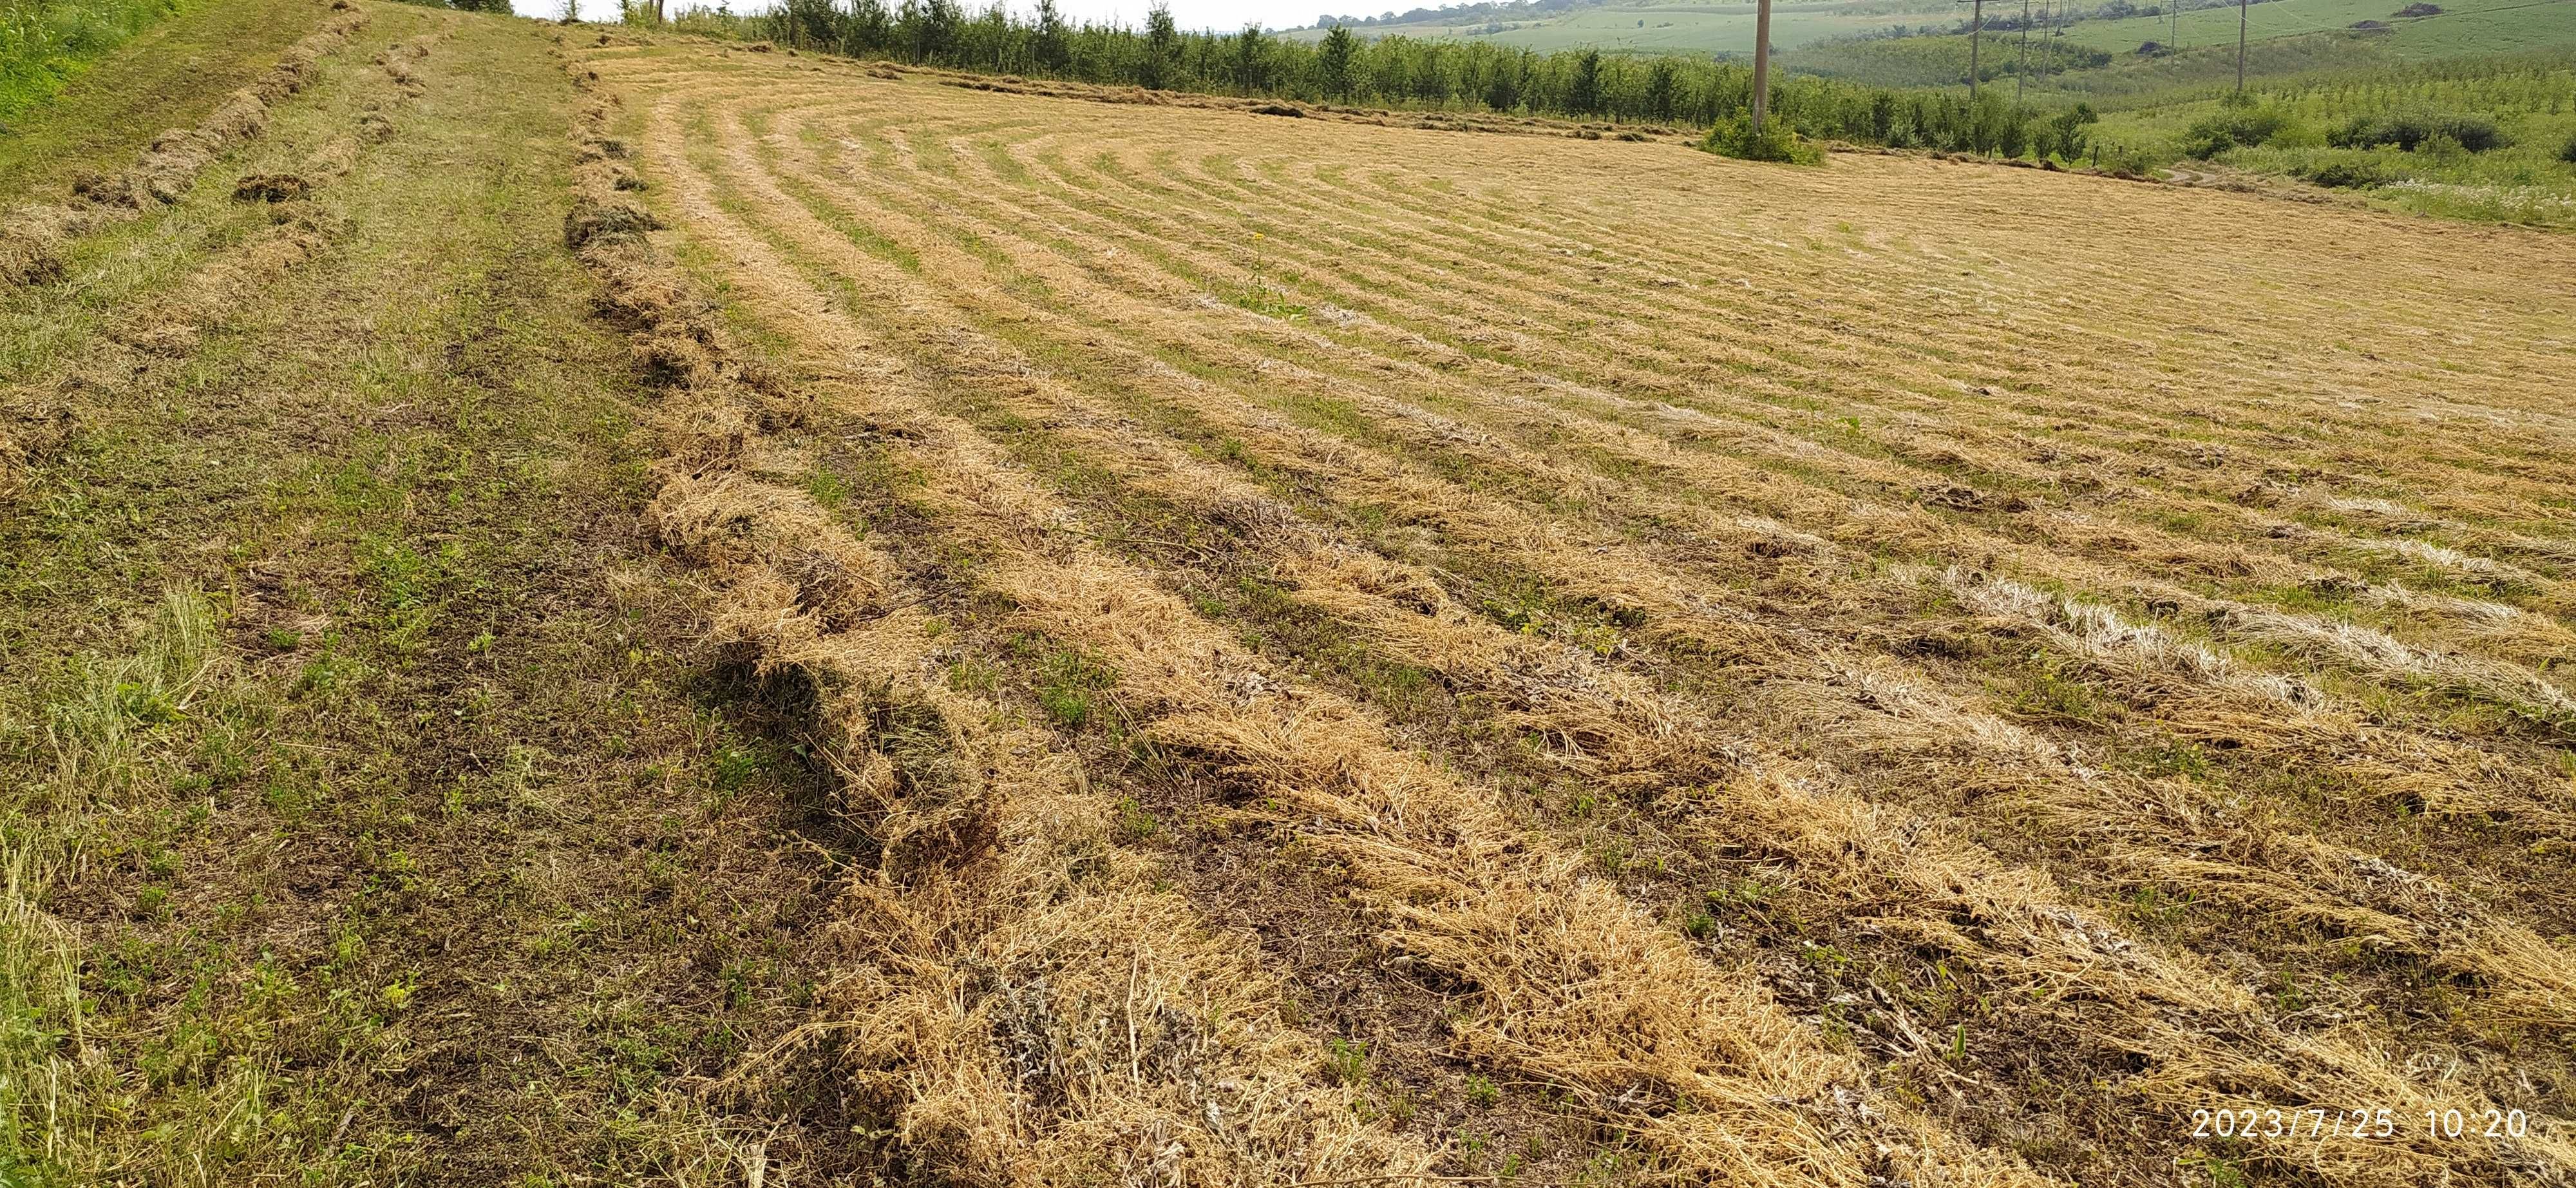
[(1191, 14)]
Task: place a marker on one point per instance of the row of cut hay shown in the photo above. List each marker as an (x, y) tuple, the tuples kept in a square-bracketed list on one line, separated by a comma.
[(32, 238), (2530, 637), (1524, 245), (1564, 979), (2366, 919), (167, 325), (2198, 1033), (2180, 416), (2243, 468), (1452, 651), (2405, 667), (1139, 96), (2412, 669), (2514, 794), (1018, 1002), (1605, 361)]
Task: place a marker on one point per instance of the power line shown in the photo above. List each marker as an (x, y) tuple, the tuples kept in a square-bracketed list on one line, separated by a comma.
[(2023, 70)]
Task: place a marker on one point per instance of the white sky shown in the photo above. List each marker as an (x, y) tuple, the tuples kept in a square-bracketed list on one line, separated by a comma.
[(1191, 14)]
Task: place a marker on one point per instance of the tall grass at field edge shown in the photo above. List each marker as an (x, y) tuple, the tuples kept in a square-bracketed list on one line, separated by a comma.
[(44, 44)]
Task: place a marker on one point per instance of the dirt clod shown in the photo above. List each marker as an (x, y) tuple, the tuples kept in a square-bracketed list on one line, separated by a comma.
[(105, 189), (270, 187)]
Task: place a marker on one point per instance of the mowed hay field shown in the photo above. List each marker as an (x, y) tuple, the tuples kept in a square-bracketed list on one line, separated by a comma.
[(1371, 651), (579, 607)]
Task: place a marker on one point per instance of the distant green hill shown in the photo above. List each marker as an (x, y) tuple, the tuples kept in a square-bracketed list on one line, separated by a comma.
[(1862, 39), (2462, 27), (1683, 27)]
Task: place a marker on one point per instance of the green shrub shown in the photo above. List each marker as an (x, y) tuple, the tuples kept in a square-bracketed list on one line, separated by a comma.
[(2410, 130), (2441, 144), (2063, 135), (2233, 126), (2345, 173), (2567, 151), (1776, 142)]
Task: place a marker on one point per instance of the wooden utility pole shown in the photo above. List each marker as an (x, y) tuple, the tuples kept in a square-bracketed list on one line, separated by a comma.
[(1761, 64), (1976, 31), (2240, 46), (2022, 71)]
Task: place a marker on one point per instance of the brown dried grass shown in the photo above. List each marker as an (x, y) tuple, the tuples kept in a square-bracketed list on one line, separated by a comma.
[(1467, 891), (1001, 944)]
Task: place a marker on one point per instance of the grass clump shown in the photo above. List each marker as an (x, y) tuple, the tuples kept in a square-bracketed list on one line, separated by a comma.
[(1071, 686), (1346, 1060), (1737, 139)]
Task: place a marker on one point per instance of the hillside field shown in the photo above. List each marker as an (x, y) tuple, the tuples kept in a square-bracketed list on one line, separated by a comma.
[(1682, 27), (2472, 27), (1842, 38), (587, 606)]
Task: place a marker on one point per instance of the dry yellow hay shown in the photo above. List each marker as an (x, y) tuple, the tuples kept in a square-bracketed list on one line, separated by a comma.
[(1001, 936), (1775, 438)]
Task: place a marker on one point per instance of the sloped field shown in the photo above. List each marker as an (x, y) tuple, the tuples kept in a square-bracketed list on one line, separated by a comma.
[(1364, 652)]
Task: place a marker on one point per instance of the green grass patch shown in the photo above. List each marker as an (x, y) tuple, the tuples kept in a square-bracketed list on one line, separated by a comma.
[(86, 84)]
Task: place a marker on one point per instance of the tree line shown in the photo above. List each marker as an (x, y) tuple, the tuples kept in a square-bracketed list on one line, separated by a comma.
[(1397, 72)]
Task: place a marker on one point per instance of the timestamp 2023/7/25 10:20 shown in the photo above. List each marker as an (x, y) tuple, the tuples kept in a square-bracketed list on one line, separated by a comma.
[(2318, 1122)]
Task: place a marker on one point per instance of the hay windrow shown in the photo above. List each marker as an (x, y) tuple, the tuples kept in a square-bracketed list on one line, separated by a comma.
[(1632, 734), (1000, 934), (1786, 1103), (33, 238), (1918, 601), (2104, 636)]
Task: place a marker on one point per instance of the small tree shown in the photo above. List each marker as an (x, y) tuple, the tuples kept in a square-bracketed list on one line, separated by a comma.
[(909, 36), (1662, 89), (1503, 86), (1162, 45), (1430, 76), (940, 24), (812, 23), (1583, 91), (1333, 61), (870, 28), (1251, 61), (2064, 133), (1049, 45)]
